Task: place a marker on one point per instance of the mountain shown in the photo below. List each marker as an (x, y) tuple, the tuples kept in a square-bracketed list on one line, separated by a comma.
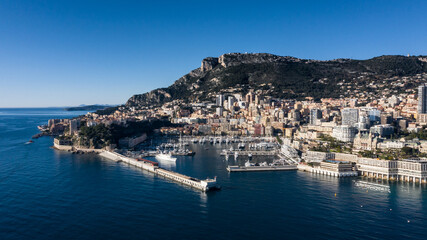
[(289, 77)]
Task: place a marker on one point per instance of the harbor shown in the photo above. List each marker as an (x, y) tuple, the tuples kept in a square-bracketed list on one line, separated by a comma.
[(129, 197)]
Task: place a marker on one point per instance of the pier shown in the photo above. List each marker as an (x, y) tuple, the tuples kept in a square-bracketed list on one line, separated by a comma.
[(203, 185), (261, 168), (253, 153)]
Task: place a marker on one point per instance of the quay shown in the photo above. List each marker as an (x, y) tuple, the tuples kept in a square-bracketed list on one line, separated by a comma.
[(253, 153), (203, 185), (261, 168)]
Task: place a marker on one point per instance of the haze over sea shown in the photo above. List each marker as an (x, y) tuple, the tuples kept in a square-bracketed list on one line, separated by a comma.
[(48, 194)]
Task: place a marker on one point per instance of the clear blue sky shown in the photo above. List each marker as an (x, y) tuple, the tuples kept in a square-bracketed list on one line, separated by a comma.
[(64, 53)]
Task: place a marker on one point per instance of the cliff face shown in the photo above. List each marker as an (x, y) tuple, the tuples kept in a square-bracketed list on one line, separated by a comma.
[(285, 77), (208, 64)]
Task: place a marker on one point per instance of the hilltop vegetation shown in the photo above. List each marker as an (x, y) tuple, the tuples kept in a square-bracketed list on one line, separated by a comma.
[(100, 136)]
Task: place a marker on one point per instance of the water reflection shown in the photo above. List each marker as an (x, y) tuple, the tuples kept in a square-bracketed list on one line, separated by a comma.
[(371, 186), (203, 198)]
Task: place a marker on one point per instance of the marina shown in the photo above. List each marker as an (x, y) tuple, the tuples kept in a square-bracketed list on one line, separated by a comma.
[(226, 140), (135, 198)]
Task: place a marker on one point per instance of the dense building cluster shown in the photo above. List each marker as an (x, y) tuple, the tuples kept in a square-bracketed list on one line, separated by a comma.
[(344, 124)]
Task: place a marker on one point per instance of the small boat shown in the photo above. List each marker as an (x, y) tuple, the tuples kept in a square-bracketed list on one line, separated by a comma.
[(165, 156), (29, 142)]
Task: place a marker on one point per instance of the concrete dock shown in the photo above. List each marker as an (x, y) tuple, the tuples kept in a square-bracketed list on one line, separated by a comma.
[(253, 153), (261, 168), (203, 185)]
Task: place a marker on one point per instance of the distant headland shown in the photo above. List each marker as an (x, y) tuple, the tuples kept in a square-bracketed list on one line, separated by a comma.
[(88, 107)]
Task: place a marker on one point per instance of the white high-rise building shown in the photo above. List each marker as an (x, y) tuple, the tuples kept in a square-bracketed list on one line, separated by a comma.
[(350, 116)]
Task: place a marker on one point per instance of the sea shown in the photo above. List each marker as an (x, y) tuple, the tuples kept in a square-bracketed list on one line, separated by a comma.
[(49, 194)]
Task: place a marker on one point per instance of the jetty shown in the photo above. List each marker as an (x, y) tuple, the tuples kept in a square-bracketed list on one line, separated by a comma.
[(261, 168), (247, 153), (203, 185)]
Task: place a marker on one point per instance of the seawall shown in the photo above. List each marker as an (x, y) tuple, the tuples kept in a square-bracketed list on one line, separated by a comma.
[(203, 185)]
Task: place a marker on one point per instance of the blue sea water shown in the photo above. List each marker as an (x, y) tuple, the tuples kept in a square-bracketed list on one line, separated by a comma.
[(48, 194)]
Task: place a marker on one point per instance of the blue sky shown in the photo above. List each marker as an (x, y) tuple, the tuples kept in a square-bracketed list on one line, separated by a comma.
[(65, 53)]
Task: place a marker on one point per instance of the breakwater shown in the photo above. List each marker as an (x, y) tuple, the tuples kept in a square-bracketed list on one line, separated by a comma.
[(203, 185)]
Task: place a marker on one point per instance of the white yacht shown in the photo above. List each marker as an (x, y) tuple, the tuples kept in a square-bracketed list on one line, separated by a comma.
[(165, 156), (249, 164)]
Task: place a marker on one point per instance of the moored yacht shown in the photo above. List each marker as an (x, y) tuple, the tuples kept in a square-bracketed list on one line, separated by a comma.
[(249, 164), (165, 156)]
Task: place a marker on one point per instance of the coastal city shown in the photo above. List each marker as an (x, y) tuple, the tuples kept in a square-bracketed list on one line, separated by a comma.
[(381, 139), (213, 120)]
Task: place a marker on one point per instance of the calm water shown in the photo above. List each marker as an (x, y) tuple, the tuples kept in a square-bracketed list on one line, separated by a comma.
[(47, 194)]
